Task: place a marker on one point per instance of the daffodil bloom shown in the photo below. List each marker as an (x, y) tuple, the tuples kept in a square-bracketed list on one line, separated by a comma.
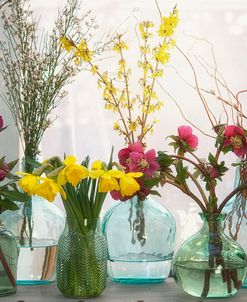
[(28, 183), (72, 172), (128, 184), (48, 189), (107, 179)]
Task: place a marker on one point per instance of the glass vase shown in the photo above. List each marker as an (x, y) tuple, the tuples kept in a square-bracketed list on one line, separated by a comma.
[(37, 251), (37, 226), (82, 259), (210, 264), (8, 262), (235, 224), (140, 237)]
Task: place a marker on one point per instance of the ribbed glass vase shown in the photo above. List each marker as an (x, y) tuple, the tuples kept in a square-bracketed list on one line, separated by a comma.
[(235, 224), (8, 262), (210, 264), (140, 237), (37, 226), (82, 259)]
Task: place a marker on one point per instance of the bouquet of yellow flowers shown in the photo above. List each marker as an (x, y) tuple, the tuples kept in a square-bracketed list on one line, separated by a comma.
[(83, 190)]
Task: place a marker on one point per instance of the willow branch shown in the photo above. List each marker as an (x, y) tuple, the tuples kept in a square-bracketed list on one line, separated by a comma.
[(228, 197), (208, 112), (181, 111), (189, 193), (6, 2)]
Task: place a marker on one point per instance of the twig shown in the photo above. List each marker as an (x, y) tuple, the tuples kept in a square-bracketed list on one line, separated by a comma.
[(228, 197), (2, 5), (7, 268)]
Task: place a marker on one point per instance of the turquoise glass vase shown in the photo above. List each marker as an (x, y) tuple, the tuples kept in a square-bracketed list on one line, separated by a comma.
[(140, 237), (8, 262), (210, 264), (82, 259), (235, 224)]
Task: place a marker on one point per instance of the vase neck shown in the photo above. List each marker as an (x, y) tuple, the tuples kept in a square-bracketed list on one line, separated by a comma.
[(213, 221), (83, 225)]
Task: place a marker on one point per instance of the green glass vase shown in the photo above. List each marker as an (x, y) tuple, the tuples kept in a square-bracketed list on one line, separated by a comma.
[(82, 259), (210, 264), (8, 262)]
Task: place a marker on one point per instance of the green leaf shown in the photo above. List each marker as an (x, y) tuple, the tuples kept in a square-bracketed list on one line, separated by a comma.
[(149, 183), (45, 168), (164, 160), (181, 172), (2, 160), (15, 195), (7, 204), (212, 159), (109, 166), (155, 193), (12, 164)]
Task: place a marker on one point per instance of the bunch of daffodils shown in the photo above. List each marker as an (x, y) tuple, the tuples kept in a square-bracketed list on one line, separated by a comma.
[(83, 189), (135, 111)]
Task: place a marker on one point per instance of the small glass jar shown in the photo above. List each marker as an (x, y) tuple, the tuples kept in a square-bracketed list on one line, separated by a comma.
[(82, 259), (8, 262)]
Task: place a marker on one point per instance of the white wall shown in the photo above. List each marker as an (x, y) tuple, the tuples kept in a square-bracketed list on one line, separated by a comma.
[(84, 127)]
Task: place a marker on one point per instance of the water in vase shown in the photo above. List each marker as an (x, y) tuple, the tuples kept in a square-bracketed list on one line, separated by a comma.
[(38, 265)]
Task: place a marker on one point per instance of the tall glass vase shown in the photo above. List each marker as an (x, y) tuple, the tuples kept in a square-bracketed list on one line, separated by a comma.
[(82, 259), (140, 238), (210, 264), (235, 225), (37, 226), (8, 262)]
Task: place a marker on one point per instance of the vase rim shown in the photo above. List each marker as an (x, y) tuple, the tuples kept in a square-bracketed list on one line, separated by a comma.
[(205, 216)]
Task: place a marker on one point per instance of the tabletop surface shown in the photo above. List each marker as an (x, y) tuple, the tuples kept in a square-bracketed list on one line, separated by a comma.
[(164, 292)]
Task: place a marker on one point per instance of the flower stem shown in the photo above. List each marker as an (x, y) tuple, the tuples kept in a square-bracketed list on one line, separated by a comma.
[(7, 268)]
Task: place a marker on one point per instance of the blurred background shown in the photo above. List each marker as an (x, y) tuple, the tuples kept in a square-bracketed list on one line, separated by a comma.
[(82, 126)]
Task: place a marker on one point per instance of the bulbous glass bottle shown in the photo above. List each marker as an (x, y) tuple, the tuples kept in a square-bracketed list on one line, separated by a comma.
[(210, 264), (140, 237)]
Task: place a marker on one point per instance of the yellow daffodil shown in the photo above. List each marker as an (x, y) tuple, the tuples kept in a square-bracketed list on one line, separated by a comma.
[(48, 189), (128, 184), (28, 183), (72, 172), (107, 179)]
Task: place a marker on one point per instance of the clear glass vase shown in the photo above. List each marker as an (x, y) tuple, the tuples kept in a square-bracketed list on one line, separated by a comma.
[(8, 262), (235, 224), (82, 259), (37, 251), (210, 264), (140, 237)]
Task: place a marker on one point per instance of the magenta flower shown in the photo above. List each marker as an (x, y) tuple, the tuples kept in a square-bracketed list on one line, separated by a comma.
[(1, 122), (213, 172), (124, 154), (236, 139), (185, 134), (3, 174), (143, 162)]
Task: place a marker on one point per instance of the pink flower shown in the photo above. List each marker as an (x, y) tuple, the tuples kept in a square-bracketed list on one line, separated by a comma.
[(213, 172), (124, 154), (236, 139), (185, 134), (1, 122), (144, 162), (3, 174), (116, 195)]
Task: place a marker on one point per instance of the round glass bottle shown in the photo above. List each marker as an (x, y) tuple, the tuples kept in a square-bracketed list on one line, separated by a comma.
[(210, 264), (140, 237)]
